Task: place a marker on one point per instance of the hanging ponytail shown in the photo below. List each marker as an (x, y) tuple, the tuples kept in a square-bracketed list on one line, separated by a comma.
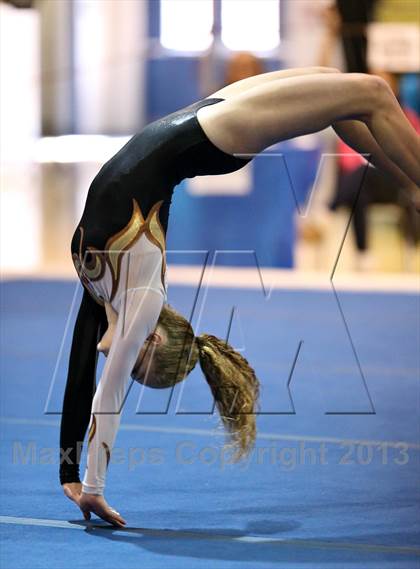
[(235, 389)]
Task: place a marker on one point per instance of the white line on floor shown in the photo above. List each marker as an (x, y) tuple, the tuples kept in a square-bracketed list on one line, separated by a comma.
[(175, 534), (218, 432), (251, 277)]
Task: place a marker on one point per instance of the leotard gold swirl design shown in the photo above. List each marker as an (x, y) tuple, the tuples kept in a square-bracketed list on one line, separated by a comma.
[(93, 268)]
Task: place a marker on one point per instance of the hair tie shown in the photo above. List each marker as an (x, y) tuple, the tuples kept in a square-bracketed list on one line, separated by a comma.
[(201, 345)]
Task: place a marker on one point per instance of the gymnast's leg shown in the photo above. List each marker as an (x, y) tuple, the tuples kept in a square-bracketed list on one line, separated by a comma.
[(288, 107), (354, 132), (243, 85), (357, 135)]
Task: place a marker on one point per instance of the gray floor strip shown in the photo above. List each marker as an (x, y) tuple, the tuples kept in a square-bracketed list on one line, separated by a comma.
[(175, 534), (217, 432)]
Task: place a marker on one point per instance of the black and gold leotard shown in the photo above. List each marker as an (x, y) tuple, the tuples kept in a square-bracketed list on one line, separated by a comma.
[(118, 250)]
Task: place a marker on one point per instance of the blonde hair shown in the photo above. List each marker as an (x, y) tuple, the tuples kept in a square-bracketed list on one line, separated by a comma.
[(231, 379)]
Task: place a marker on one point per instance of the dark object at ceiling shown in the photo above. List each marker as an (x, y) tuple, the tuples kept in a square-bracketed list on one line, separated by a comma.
[(354, 16), (356, 11), (20, 3)]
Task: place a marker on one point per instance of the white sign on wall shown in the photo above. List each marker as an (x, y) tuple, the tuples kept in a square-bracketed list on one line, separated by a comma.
[(237, 183), (394, 47)]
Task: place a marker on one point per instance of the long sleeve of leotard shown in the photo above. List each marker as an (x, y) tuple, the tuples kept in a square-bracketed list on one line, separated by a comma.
[(137, 318), (90, 325)]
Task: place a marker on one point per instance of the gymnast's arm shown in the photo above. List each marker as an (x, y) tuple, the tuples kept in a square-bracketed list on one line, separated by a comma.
[(138, 314), (90, 325)]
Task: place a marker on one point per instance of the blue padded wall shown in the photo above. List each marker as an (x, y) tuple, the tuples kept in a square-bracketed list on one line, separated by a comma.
[(262, 221)]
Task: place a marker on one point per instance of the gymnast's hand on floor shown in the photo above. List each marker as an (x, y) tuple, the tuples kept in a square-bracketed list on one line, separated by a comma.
[(73, 491), (97, 504)]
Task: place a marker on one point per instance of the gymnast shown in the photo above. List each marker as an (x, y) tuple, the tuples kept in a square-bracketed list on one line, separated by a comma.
[(118, 250)]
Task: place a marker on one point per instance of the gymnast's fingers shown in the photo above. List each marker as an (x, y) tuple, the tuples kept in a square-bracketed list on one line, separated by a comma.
[(85, 512), (112, 516), (72, 491)]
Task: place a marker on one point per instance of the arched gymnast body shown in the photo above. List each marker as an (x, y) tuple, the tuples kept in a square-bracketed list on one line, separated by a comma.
[(119, 248)]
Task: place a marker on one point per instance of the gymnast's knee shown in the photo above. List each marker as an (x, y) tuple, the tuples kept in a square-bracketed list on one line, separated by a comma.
[(372, 88)]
